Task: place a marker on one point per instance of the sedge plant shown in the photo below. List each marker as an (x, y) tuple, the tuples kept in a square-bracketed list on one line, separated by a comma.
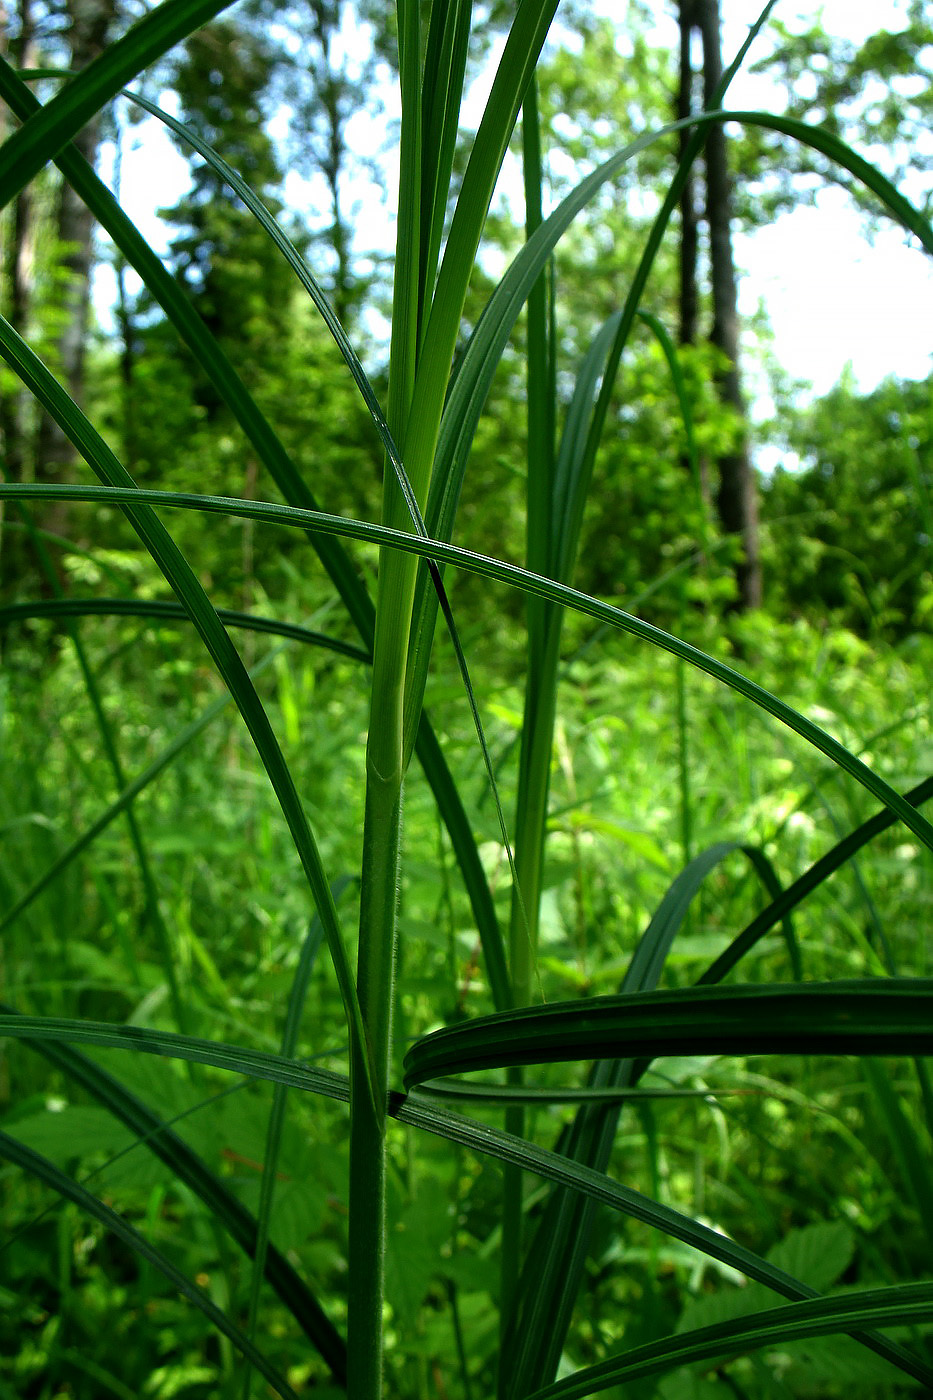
[(426, 429)]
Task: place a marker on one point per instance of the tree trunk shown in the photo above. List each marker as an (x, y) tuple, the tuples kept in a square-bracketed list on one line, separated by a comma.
[(90, 23), (334, 94), (737, 499), (16, 259), (688, 208), (17, 263)]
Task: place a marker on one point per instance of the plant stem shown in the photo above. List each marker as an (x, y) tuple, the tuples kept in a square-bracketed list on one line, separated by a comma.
[(375, 984)]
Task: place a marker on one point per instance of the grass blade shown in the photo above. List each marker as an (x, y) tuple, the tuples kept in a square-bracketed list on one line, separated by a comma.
[(419, 1112), (442, 93), (29, 1161), (806, 883), (208, 354), (900, 1305), (42, 136), (227, 660), (188, 1167), (552, 1166), (521, 578), (162, 610), (881, 1017), (307, 279), (908, 1150)]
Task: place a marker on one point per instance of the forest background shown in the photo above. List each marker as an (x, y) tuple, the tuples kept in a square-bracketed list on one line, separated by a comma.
[(816, 578)]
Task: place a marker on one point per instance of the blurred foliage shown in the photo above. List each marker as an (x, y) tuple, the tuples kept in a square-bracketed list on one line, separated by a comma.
[(850, 536)]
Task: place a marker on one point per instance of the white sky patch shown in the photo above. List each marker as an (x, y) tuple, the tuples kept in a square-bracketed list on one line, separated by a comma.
[(833, 299), (154, 175)]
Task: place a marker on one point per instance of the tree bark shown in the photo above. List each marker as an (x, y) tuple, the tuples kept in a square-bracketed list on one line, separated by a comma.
[(689, 223), (90, 24), (17, 259), (737, 498)]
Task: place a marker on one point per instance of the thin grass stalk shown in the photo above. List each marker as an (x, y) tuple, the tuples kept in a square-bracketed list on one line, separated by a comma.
[(416, 398), (537, 725), (384, 778)]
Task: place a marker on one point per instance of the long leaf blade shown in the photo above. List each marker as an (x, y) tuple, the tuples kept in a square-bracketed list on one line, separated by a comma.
[(521, 578), (900, 1305), (43, 135), (226, 658), (38, 1166), (188, 1167), (420, 1113), (882, 1017)]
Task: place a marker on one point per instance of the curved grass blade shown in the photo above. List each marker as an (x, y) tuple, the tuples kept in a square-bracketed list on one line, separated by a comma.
[(29, 1161), (204, 347), (768, 876), (429, 752), (899, 1305), (187, 588), (43, 135), (669, 350), (308, 281), (554, 1268), (571, 483), (644, 971), (523, 1094), (419, 1112), (186, 1166), (238, 1059), (482, 355), (553, 1166), (169, 610), (806, 883), (521, 578), (882, 1017)]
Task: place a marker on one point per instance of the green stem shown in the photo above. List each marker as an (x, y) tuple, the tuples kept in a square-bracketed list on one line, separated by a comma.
[(540, 702), (385, 767), (375, 987)]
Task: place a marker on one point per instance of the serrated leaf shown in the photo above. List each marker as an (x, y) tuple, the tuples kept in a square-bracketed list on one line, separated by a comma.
[(413, 1249), (819, 1254)]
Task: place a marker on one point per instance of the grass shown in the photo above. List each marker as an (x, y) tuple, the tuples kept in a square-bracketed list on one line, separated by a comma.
[(452, 922)]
